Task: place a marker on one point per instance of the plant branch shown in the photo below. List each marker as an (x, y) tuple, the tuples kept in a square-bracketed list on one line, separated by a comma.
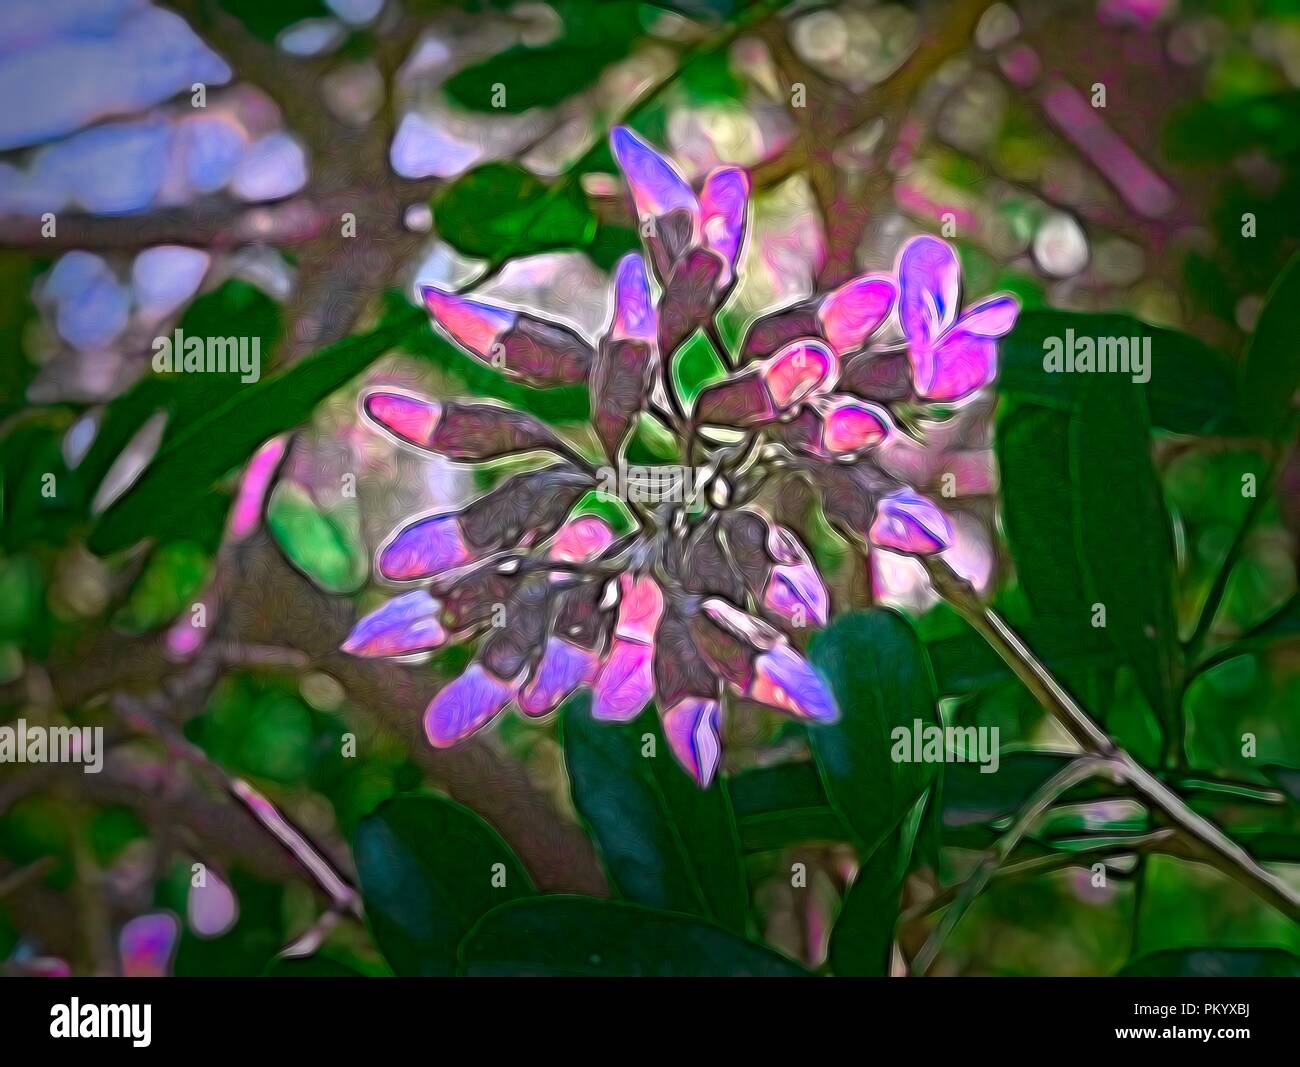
[(1217, 848)]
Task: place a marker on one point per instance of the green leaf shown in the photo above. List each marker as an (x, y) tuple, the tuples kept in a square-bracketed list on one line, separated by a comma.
[(863, 933), (317, 966), (1192, 387), (1124, 537), (783, 805), (502, 205), (1270, 373), (595, 36), (581, 936), (426, 867), (881, 677), (323, 545), (267, 20), (174, 574), (1215, 963), (225, 435), (667, 843)]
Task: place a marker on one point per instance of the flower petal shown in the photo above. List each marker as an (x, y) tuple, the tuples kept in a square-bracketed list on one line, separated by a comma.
[(464, 705), (146, 944), (408, 418), (470, 431), (784, 680), (691, 728), (959, 365), (640, 606), (625, 683), (990, 318), (580, 540), (424, 548), (472, 324), (798, 371), (797, 595), (563, 667), (657, 186), (929, 283), (634, 310), (724, 200), (908, 522), (855, 310), (850, 425), (406, 624)]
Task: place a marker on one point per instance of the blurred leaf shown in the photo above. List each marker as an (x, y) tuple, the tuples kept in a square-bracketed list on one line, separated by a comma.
[(322, 545), (1192, 388), (174, 573), (881, 677), (667, 843), (426, 867), (1124, 538), (595, 35), (696, 365), (186, 397), (1215, 963), (188, 463), (267, 20), (501, 205), (565, 936), (317, 966), (1217, 130), (863, 934), (1270, 374)]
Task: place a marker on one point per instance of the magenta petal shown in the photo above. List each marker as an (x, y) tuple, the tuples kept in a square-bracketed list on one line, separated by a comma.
[(852, 425), (472, 324), (581, 540), (146, 943), (784, 680), (640, 606), (562, 669), (855, 310), (406, 417), (406, 624), (907, 522), (799, 370), (423, 549), (991, 318), (657, 186), (723, 203), (634, 310), (691, 727), (465, 704), (960, 364), (929, 282), (625, 684)]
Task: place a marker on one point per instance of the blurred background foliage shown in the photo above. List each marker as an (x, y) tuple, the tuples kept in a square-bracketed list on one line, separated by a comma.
[(466, 143)]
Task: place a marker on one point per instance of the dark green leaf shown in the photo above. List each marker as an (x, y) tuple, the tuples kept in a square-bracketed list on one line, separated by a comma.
[(1215, 963), (863, 933), (188, 462), (1270, 374), (581, 936), (317, 966), (267, 20), (1124, 537), (1192, 387), (881, 677), (426, 867), (783, 805), (667, 843), (501, 205)]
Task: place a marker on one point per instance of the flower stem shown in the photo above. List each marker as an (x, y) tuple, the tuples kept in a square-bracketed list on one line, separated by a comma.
[(1217, 848)]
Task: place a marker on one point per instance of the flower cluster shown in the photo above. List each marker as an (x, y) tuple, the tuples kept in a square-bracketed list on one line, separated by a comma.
[(705, 594)]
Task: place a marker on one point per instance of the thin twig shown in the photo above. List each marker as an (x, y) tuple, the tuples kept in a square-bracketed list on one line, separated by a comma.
[(1219, 849)]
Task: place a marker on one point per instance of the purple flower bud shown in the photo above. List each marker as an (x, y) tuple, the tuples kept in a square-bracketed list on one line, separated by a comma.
[(625, 683), (855, 310), (406, 624), (563, 667), (692, 728), (724, 200), (464, 705), (424, 548), (908, 522), (783, 679)]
